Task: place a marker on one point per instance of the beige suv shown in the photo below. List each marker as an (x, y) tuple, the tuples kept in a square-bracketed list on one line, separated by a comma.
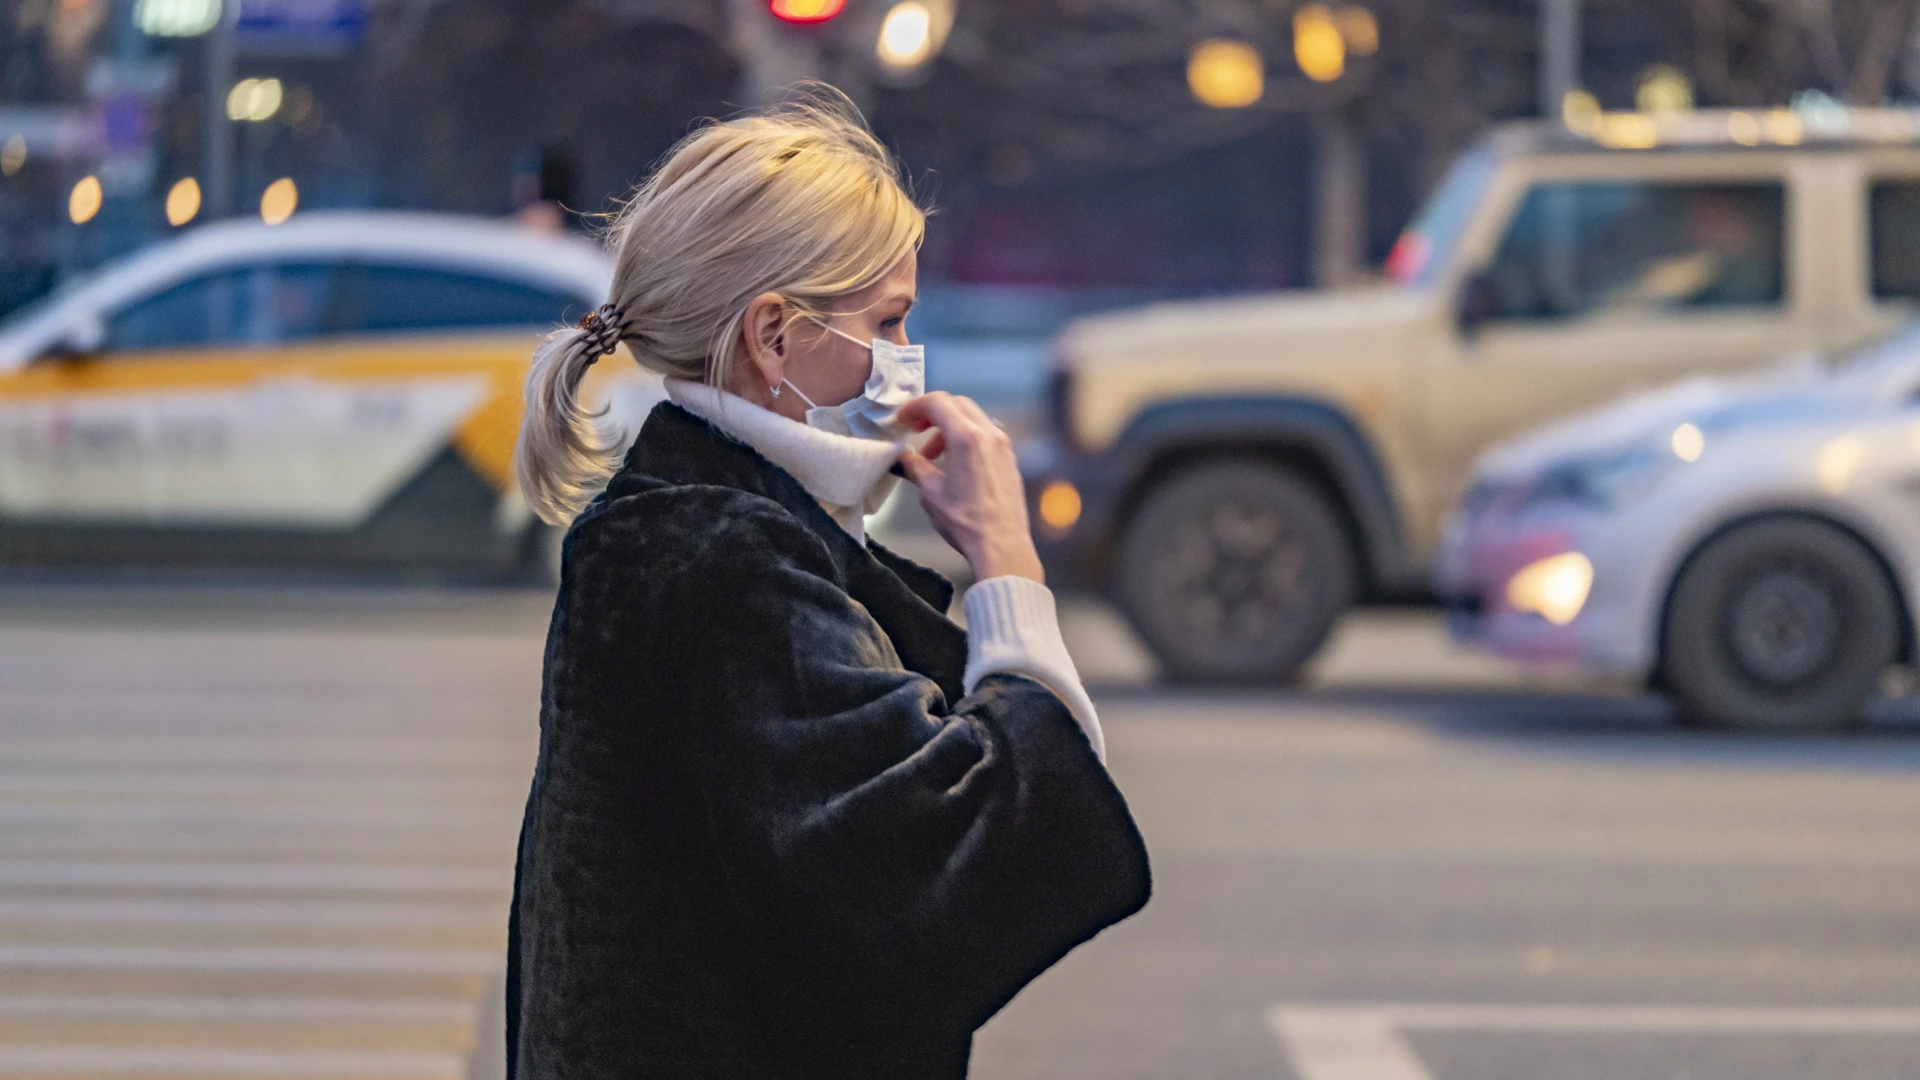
[(1236, 473)]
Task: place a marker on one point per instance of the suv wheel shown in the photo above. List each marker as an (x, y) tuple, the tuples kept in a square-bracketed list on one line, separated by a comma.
[(1235, 571), (1784, 624)]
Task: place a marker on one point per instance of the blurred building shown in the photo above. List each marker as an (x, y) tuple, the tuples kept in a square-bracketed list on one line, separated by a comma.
[(1066, 145)]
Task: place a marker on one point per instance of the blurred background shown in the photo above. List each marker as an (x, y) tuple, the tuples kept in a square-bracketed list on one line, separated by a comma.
[(1474, 443)]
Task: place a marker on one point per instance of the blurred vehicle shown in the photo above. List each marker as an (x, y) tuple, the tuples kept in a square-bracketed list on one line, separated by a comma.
[(1236, 473), (1751, 544), (343, 388)]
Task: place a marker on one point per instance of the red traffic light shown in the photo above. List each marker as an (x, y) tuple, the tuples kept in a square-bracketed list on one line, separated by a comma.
[(805, 11)]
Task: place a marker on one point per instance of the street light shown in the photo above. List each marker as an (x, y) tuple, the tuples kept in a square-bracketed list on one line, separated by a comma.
[(1226, 74), (912, 33), (1359, 29), (176, 18), (1317, 45), (254, 99), (1663, 88)]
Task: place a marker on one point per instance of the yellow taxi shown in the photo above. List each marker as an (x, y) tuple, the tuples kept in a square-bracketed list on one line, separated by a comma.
[(342, 388)]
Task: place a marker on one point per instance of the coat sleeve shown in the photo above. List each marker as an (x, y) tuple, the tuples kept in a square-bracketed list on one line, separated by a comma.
[(933, 855)]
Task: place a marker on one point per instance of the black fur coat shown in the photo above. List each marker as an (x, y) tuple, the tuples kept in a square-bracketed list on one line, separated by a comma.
[(768, 838)]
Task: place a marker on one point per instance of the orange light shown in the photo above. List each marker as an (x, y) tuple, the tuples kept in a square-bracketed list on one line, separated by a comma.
[(1226, 74), (805, 11), (1359, 29), (183, 201), (84, 202), (1059, 505), (279, 201), (1317, 45)]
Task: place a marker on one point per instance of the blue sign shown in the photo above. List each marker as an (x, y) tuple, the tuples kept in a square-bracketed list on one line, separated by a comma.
[(301, 26)]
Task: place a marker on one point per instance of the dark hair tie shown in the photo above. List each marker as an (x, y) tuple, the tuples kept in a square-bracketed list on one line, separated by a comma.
[(603, 329)]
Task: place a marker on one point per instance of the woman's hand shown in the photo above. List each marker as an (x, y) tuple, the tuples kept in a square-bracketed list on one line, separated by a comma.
[(974, 495)]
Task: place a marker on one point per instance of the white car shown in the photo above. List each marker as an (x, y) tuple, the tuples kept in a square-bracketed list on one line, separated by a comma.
[(1750, 544), (341, 388)]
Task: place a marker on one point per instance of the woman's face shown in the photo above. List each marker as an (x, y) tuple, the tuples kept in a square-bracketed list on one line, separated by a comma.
[(824, 365)]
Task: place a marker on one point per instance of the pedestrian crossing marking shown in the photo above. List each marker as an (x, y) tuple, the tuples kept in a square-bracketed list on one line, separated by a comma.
[(1366, 1042)]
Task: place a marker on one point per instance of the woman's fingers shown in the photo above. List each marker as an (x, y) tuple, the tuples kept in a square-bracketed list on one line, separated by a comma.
[(934, 447), (919, 470), (974, 412), (973, 497), (926, 410), (954, 416)]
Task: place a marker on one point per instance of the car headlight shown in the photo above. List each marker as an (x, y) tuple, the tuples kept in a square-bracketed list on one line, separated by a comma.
[(1603, 482), (1554, 587)]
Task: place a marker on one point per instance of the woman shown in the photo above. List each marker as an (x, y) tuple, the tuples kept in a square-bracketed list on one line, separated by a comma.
[(788, 820)]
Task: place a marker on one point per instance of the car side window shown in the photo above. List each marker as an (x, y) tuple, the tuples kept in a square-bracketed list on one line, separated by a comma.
[(239, 307), (1585, 250), (397, 299), (1896, 239)]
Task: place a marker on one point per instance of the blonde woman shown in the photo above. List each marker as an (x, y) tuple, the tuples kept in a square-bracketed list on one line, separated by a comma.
[(789, 821)]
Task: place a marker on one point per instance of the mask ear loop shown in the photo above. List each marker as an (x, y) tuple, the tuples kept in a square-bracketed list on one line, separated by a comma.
[(783, 384), (797, 390)]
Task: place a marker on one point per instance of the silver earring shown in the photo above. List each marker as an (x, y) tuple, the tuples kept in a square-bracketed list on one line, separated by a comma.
[(776, 390)]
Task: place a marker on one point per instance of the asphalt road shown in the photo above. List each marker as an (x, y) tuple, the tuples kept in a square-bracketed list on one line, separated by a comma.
[(264, 832)]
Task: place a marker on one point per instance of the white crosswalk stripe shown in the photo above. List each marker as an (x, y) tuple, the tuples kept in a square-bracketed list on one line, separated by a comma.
[(282, 854)]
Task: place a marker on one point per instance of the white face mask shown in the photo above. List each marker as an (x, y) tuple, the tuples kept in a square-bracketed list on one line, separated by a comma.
[(899, 375)]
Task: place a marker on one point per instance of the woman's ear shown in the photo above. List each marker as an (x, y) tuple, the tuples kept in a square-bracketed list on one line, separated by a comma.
[(763, 338)]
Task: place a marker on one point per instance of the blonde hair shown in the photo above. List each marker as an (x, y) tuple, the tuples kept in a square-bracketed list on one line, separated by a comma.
[(800, 199)]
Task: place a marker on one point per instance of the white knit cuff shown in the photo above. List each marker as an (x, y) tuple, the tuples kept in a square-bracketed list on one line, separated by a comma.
[(1012, 627)]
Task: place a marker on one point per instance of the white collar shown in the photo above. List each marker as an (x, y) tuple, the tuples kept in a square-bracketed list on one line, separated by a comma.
[(847, 475)]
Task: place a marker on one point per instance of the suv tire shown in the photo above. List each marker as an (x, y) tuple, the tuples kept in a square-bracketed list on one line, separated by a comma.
[(1234, 571), (1780, 625)]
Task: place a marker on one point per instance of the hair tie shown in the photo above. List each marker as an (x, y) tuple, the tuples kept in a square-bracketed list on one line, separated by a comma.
[(603, 329)]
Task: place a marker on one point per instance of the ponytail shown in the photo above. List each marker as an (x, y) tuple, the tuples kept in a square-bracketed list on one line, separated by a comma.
[(562, 454)]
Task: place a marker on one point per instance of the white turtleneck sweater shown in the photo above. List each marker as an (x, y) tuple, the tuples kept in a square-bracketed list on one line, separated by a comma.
[(1012, 624)]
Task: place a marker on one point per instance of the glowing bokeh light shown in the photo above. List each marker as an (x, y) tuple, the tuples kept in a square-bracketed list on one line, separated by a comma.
[(13, 156), (805, 11), (279, 201), (1225, 74), (1317, 45), (1555, 587), (176, 18), (1359, 29), (183, 201), (1837, 462), (1580, 111), (906, 35), (1663, 88), (1688, 443), (254, 99), (85, 200), (1059, 505)]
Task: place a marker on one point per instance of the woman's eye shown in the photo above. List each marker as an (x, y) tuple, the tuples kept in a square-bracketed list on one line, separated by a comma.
[(888, 324)]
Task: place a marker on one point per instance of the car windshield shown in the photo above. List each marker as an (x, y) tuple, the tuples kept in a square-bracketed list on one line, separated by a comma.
[(26, 312), (1424, 248)]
